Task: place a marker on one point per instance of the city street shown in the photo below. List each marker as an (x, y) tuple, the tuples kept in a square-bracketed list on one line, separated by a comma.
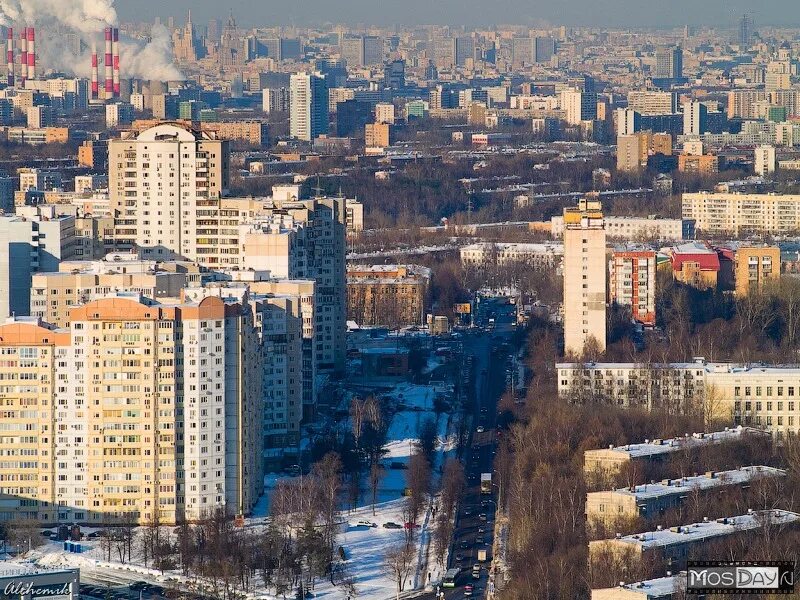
[(491, 348)]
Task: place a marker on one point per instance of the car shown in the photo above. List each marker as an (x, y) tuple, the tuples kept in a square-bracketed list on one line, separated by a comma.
[(138, 585), (468, 590), (95, 534), (392, 525), (466, 512), (410, 525), (364, 523), (459, 557), (482, 516), (481, 531), (464, 544), (480, 429)]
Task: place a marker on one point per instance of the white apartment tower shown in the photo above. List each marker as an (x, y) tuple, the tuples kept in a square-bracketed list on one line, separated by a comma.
[(585, 271), (308, 106), (162, 182)]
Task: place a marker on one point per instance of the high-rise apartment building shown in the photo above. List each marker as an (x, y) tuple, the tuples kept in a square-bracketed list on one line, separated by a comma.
[(578, 106), (305, 239), (695, 118), (138, 413), (633, 283), (764, 159), (308, 106), (362, 50), (28, 245), (585, 271), (162, 182), (669, 63)]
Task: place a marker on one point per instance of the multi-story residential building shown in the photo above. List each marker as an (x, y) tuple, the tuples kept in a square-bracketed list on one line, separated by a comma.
[(759, 396), (695, 118), (653, 103), (641, 458), (698, 163), (278, 321), (389, 295), (149, 413), (732, 213), (384, 113), (764, 159), (118, 114), (634, 149), (756, 267), (482, 254), (354, 211), (305, 239), (636, 228), (585, 270), (669, 63), (308, 106), (378, 135), (362, 51), (670, 548), (162, 183), (632, 282), (651, 500), (28, 245), (37, 179), (742, 103), (54, 294), (578, 106)]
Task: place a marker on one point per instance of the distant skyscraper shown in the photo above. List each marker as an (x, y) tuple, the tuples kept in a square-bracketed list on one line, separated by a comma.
[(544, 49), (308, 109), (394, 74), (745, 30), (669, 63), (695, 117), (362, 51), (213, 31), (465, 48)]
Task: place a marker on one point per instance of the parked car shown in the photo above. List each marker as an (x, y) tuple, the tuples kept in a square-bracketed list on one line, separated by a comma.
[(365, 523), (392, 525), (409, 525)]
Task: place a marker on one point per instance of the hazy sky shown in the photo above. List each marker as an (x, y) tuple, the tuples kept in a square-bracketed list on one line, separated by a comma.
[(664, 13)]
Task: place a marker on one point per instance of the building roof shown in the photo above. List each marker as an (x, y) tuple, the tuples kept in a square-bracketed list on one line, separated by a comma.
[(706, 530), (686, 485), (656, 588), (664, 446), (697, 252)]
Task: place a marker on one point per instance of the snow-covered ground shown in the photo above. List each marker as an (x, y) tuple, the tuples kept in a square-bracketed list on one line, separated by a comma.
[(365, 547)]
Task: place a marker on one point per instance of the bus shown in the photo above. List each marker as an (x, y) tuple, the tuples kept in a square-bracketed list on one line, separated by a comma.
[(450, 577)]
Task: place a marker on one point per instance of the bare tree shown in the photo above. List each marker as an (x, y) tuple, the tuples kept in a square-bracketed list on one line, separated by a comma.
[(400, 562)]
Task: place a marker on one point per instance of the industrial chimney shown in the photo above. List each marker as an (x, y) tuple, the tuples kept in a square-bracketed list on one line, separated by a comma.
[(95, 82), (115, 59), (23, 58), (10, 57), (109, 87), (31, 53)]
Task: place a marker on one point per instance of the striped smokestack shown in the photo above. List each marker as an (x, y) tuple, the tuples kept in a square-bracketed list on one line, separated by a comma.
[(23, 57), (10, 56), (109, 87), (95, 82), (31, 53), (115, 59)]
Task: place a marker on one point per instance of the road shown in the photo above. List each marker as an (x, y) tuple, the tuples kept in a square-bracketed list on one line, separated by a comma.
[(491, 349)]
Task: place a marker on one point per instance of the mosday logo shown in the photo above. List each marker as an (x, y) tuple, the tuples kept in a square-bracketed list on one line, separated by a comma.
[(775, 577)]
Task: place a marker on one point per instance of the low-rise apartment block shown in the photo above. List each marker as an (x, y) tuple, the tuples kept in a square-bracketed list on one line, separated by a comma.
[(671, 547), (637, 228), (389, 295), (614, 460), (651, 500), (543, 256), (632, 282)]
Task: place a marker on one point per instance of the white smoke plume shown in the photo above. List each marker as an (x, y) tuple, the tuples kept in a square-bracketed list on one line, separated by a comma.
[(141, 59)]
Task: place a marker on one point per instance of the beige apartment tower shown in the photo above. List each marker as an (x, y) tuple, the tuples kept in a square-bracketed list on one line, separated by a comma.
[(585, 271)]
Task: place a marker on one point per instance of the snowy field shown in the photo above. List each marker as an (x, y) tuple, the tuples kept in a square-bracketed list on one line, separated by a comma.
[(365, 546)]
